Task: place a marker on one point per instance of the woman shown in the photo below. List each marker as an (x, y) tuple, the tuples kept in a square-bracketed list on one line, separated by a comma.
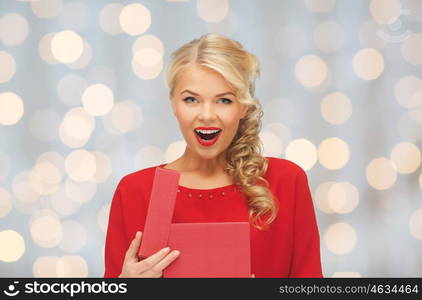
[(223, 176)]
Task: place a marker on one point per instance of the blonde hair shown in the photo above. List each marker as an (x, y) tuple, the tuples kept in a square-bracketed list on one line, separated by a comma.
[(244, 160)]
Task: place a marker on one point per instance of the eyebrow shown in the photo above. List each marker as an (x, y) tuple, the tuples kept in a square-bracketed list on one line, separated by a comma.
[(218, 95)]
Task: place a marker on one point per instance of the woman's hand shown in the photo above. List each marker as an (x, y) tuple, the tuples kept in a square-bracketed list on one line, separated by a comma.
[(150, 267), (253, 276)]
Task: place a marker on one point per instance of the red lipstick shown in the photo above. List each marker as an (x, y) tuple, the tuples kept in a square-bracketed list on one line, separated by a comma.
[(207, 136)]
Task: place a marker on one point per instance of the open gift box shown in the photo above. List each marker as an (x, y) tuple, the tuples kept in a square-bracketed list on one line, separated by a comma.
[(220, 249)]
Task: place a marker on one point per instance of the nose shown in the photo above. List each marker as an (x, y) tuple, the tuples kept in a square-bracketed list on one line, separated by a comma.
[(207, 112)]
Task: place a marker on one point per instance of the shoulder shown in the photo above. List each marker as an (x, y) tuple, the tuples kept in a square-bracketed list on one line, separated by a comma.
[(283, 167), (284, 174)]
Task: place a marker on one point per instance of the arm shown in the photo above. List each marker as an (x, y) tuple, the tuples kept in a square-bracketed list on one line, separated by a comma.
[(306, 261), (121, 252), (116, 243)]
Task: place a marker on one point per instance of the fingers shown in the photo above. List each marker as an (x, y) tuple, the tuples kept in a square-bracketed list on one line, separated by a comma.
[(168, 260), (132, 251), (253, 276), (158, 261)]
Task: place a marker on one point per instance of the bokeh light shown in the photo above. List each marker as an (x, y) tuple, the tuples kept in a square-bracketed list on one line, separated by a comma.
[(381, 173), (147, 73), (46, 231), (148, 41), (71, 266), (406, 157), (125, 116), (149, 156), (45, 266), (410, 49), (45, 177), (336, 108), (175, 150), (76, 127), (80, 191), (22, 189), (80, 165), (321, 197), (385, 11), (44, 49), (102, 217), (67, 46), (103, 165), (212, 11), (98, 99), (272, 145), (78, 124), (343, 197), (333, 153), (147, 57), (47, 9), (14, 29), (368, 64), (63, 267), (302, 152), (84, 59), (281, 131), (12, 246), (8, 66), (406, 90), (11, 108), (135, 19), (340, 238), (311, 71), (63, 204)]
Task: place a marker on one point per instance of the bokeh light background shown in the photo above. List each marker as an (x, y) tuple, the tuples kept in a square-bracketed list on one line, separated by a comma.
[(83, 102)]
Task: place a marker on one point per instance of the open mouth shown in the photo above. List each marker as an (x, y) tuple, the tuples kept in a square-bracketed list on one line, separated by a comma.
[(207, 134)]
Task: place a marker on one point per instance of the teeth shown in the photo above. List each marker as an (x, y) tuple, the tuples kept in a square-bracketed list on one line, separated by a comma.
[(207, 131)]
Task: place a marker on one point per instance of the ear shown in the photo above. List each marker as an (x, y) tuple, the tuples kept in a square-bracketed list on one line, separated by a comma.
[(244, 110)]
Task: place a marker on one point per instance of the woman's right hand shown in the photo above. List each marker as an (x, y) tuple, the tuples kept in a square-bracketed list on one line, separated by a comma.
[(150, 267)]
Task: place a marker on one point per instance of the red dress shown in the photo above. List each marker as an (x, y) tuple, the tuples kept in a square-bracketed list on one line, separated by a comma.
[(290, 247)]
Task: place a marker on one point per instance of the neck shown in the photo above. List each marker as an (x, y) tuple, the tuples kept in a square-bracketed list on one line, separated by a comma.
[(190, 162)]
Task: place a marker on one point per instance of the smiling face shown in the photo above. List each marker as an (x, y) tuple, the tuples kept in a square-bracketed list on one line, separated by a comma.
[(207, 110)]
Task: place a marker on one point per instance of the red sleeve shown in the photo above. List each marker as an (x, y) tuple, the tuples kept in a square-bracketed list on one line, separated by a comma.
[(115, 246), (306, 253)]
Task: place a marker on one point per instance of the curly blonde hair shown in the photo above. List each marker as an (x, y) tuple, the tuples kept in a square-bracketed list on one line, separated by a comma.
[(245, 162)]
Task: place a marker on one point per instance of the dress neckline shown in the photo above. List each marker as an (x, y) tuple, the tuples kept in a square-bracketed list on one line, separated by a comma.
[(220, 189)]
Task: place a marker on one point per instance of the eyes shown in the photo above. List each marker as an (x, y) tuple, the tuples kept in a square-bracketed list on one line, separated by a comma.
[(192, 99)]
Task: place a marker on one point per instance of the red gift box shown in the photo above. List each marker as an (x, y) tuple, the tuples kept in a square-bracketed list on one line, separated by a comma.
[(220, 249)]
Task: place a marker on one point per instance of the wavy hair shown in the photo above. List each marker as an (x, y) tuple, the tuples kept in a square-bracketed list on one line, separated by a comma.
[(245, 162)]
